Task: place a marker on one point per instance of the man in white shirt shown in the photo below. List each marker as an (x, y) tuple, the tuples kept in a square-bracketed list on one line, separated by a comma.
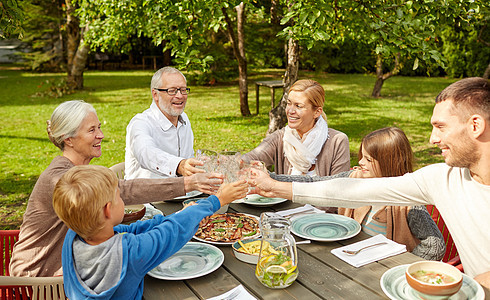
[(159, 141), (460, 188)]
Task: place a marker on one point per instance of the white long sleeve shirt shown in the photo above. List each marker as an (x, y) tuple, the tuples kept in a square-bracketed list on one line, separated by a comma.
[(463, 203), (154, 146)]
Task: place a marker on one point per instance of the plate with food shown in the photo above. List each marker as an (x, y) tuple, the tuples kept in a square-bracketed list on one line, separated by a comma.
[(257, 200), (227, 228), (394, 284), (325, 227), (133, 212), (192, 261)]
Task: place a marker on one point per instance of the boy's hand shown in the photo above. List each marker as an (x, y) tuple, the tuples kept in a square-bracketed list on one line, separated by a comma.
[(230, 192)]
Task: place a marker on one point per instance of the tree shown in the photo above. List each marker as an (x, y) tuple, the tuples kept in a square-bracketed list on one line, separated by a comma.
[(395, 29), (183, 26), (239, 50), (11, 17), (77, 49), (43, 42)]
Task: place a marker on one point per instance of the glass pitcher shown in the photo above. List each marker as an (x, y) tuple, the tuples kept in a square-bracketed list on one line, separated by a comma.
[(278, 258)]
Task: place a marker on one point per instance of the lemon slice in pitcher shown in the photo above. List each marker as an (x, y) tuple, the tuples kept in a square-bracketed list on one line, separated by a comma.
[(275, 269)]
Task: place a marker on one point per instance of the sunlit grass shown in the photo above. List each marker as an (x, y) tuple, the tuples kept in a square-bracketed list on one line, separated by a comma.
[(214, 112)]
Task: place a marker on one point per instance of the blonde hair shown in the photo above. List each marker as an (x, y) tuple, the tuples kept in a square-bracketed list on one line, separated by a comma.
[(81, 194), (66, 120), (313, 91)]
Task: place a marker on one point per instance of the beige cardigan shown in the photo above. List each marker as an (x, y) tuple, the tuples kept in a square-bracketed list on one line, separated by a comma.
[(38, 251), (333, 158), (395, 217)]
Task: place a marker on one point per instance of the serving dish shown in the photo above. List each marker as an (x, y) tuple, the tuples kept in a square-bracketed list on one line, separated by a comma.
[(133, 212)]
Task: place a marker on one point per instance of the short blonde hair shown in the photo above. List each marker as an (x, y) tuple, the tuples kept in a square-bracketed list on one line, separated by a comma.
[(81, 194), (66, 120), (313, 91)]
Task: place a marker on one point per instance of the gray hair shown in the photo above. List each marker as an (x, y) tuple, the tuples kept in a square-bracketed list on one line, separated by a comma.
[(66, 120), (156, 79)]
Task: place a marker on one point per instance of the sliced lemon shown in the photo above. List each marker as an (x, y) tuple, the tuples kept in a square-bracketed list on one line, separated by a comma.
[(265, 260), (275, 269), (290, 278)]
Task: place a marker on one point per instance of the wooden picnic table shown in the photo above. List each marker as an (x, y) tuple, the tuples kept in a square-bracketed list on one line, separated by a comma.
[(321, 274), (273, 84)]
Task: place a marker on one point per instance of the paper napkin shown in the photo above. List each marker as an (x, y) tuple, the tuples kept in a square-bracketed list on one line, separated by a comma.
[(372, 254), (151, 211), (297, 211), (238, 293)]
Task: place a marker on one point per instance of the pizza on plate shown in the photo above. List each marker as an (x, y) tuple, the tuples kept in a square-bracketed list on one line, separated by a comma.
[(228, 227)]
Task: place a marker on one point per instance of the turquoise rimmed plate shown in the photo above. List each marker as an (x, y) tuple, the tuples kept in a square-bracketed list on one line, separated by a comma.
[(395, 286), (257, 200), (325, 227), (192, 261)]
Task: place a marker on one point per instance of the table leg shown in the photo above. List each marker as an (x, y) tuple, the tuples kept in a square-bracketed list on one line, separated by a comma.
[(257, 98), (272, 96)]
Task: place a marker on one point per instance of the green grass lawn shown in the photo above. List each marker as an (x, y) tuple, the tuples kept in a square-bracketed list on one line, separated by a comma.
[(214, 111)]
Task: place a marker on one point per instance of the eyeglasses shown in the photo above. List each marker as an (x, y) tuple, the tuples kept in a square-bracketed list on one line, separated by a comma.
[(173, 91)]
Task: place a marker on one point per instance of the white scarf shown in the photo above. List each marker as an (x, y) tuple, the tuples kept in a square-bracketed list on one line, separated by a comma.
[(302, 152)]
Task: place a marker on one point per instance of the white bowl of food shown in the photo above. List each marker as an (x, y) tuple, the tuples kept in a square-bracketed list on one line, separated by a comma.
[(248, 250), (434, 279), (133, 212)]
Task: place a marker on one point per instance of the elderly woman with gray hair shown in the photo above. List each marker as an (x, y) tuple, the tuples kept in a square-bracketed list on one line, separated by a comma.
[(75, 128)]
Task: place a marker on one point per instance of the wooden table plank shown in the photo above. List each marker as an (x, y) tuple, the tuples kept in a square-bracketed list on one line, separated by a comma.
[(166, 289)]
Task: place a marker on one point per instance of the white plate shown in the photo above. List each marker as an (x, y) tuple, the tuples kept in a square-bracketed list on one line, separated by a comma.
[(187, 195), (231, 243), (258, 200), (192, 261), (395, 286)]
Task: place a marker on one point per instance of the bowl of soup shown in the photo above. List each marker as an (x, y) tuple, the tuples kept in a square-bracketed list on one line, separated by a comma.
[(434, 279)]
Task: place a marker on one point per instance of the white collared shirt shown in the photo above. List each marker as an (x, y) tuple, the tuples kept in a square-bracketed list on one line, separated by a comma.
[(154, 146)]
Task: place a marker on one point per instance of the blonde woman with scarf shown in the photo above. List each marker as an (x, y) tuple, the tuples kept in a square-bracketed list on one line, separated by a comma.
[(307, 146)]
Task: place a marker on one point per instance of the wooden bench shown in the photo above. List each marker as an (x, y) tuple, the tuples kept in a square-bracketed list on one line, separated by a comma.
[(273, 84)]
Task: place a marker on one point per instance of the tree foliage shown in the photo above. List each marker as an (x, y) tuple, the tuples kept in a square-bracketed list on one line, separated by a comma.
[(11, 17)]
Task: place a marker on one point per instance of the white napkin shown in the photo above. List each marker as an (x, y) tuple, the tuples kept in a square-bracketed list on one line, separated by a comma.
[(298, 211), (237, 293), (150, 212), (372, 254)]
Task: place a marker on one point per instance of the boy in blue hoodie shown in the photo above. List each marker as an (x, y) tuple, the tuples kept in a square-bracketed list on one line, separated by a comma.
[(103, 260)]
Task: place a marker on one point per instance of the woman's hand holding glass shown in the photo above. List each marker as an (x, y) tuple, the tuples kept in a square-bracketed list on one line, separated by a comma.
[(261, 182)]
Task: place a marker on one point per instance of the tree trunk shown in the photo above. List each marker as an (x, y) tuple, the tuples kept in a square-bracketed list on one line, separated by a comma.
[(75, 76), (277, 115), (77, 49), (239, 51), (487, 72), (380, 77), (73, 34)]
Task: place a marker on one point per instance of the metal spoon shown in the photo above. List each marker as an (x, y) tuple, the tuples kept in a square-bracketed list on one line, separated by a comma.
[(352, 252)]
